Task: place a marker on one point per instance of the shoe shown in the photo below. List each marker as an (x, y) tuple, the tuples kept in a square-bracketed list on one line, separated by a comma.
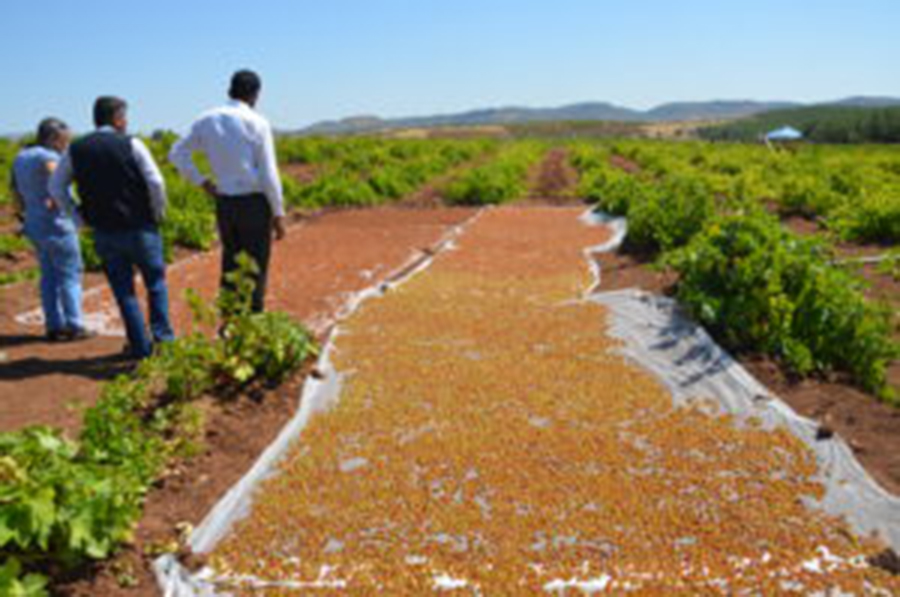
[(56, 336), (78, 334), (128, 353)]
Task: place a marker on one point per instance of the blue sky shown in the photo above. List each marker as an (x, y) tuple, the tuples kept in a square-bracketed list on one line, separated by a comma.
[(334, 58)]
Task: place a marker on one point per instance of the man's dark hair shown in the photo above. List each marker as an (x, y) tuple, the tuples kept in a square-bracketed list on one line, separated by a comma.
[(49, 130), (245, 86), (106, 109)]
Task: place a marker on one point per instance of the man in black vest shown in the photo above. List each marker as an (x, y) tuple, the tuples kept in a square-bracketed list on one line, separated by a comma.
[(123, 199)]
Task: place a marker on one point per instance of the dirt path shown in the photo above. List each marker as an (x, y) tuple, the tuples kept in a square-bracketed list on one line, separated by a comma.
[(313, 271), (555, 178), (489, 439)]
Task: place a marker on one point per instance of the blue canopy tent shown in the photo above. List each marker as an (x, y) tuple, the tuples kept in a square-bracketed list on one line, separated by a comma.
[(786, 133)]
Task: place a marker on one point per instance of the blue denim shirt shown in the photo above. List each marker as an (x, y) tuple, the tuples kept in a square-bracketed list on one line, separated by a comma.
[(31, 179)]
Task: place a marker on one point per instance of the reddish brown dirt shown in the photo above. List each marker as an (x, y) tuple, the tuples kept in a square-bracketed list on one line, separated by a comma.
[(431, 194), (872, 428), (621, 270), (810, 227), (623, 163), (555, 177), (882, 287), (313, 270), (44, 383), (802, 226), (22, 260), (19, 262), (302, 173)]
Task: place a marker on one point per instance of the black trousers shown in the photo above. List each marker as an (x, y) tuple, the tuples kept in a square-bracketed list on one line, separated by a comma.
[(245, 226)]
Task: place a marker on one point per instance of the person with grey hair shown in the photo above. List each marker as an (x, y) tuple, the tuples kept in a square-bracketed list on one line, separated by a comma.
[(53, 231)]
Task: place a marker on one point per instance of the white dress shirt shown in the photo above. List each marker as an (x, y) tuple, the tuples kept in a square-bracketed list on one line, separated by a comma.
[(60, 185), (240, 147)]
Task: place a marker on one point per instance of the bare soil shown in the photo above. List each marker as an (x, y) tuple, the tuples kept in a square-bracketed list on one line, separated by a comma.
[(624, 164), (555, 178), (882, 287), (42, 383), (21, 260), (620, 271), (801, 225), (303, 173)]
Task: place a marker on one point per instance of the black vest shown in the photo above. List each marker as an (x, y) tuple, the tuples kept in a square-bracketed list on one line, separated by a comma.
[(114, 195)]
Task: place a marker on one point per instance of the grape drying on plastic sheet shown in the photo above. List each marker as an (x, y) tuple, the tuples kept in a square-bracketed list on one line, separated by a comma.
[(489, 440)]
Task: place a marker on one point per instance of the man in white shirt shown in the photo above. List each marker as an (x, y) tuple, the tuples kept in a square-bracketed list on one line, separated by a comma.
[(246, 186)]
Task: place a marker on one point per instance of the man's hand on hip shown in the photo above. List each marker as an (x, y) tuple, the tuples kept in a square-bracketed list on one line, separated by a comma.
[(211, 189), (278, 227)]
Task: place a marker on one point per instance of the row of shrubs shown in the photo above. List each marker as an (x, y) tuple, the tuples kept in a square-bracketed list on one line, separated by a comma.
[(503, 179), (854, 192), (756, 286), (760, 288), (368, 172), (663, 212), (65, 502)]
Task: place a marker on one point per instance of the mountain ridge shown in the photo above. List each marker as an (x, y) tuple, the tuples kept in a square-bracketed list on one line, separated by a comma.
[(582, 111)]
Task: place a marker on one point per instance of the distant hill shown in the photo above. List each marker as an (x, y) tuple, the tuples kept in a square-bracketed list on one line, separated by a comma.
[(859, 120), (717, 110), (490, 116), (583, 112), (867, 102)]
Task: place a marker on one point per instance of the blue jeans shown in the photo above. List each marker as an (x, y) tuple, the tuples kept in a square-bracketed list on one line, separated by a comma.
[(61, 270), (122, 252)]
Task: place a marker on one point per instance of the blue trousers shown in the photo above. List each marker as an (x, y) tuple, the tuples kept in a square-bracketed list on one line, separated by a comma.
[(122, 252), (61, 270)]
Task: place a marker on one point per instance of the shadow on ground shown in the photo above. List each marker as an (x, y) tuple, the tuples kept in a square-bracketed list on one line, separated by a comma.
[(96, 368)]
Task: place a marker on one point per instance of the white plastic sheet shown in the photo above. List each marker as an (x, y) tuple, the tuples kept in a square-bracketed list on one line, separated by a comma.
[(659, 339), (690, 364)]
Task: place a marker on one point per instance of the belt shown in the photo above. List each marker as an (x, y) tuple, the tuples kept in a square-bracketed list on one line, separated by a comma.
[(244, 197)]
